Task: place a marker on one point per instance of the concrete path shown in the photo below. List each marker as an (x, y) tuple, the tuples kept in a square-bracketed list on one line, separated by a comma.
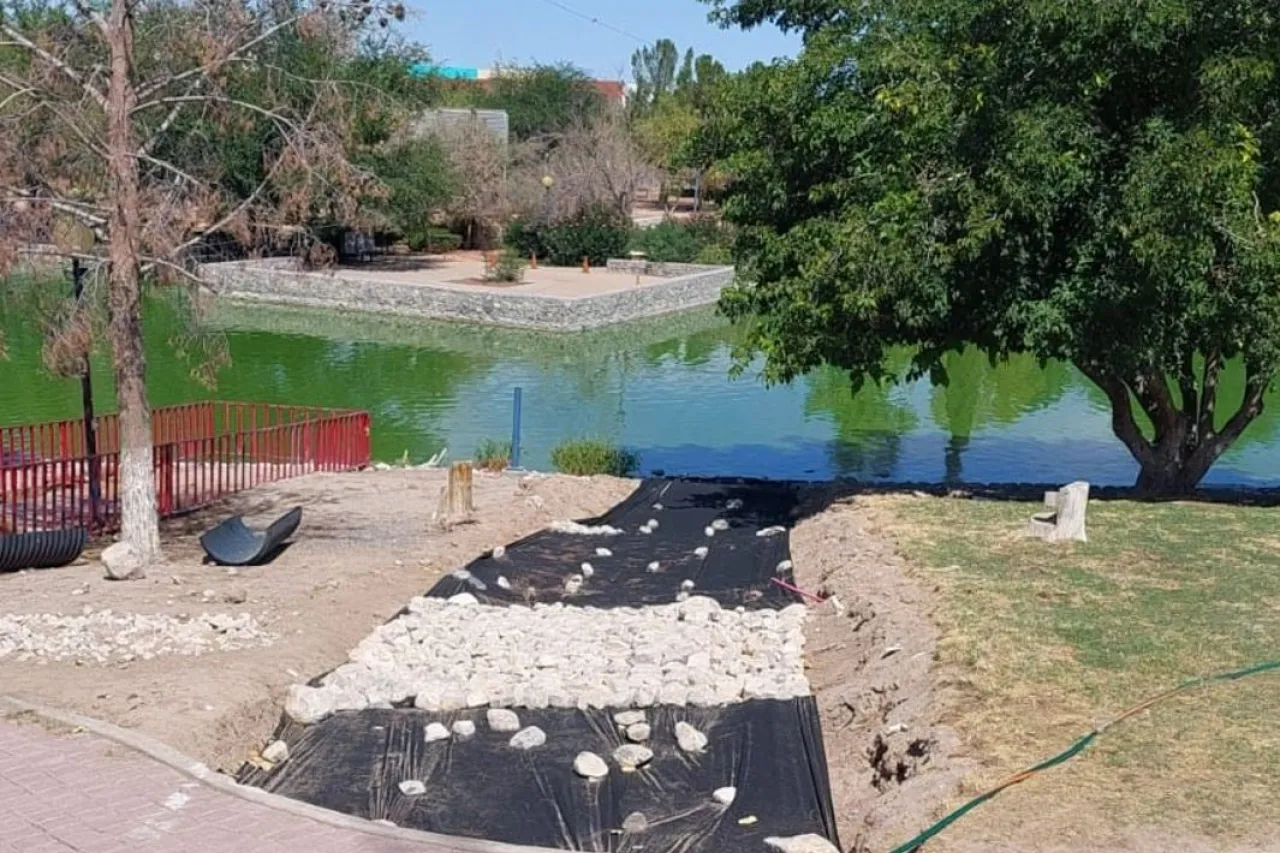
[(63, 791)]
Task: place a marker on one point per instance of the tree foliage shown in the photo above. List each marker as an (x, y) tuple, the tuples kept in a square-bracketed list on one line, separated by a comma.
[(540, 100), (1095, 181)]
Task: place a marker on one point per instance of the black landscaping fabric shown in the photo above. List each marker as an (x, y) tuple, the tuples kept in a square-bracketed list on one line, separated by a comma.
[(736, 571), (771, 751), (482, 787)]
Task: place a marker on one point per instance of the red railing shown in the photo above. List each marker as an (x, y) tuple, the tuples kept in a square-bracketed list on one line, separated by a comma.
[(202, 452)]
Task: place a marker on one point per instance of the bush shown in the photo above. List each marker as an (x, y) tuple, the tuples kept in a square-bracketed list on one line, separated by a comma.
[(583, 457), (493, 455), (598, 235), (701, 239), (433, 240), (509, 267)]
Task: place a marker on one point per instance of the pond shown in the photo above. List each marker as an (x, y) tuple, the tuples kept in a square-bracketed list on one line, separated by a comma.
[(661, 387)]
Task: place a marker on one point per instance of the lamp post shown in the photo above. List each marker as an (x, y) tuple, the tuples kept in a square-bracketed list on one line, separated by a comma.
[(547, 183)]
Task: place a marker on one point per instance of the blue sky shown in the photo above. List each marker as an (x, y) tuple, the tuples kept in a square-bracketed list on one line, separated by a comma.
[(478, 33)]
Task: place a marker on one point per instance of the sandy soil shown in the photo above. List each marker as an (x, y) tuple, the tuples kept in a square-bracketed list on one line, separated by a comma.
[(366, 546)]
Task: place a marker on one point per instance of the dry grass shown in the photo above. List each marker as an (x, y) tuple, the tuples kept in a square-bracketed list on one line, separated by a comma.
[(1049, 640)]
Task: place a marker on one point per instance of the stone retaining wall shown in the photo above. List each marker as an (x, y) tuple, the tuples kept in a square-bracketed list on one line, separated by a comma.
[(279, 281)]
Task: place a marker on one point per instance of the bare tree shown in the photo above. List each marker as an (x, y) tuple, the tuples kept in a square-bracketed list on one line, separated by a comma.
[(108, 115), (478, 162)]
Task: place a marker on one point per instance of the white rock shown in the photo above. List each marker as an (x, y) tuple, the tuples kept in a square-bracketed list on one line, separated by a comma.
[(499, 552), (724, 796), (701, 552), (462, 574), (629, 718), (682, 595), (654, 566), (307, 705), (590, 765), (502, 720), (463, 598), (686, 584), (709, 530), (635, 822), (503, 583), (577, 529), (276, 752), (652, 523), (120, 562), (603, 552), (573, 584), (808, 843), (771, 531), (435, 732), (783, 567), (638, 732), (631, 756), (412, 788), (720, 524), (528, 738), (733, 503), (690, 739), (587, 570), (463, 728)]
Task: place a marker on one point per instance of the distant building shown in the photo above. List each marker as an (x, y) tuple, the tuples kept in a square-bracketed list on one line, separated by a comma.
[(494, 120), (447, 72), (613, 91)]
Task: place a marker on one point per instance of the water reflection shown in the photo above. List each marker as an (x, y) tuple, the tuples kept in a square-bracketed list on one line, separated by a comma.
[(661, 387)]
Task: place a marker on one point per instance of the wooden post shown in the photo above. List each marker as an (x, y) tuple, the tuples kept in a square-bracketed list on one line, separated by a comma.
[(456, 505), (1066, 520), (586, 264)]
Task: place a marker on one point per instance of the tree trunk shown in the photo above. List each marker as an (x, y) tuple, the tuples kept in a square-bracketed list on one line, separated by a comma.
[(139, 522)]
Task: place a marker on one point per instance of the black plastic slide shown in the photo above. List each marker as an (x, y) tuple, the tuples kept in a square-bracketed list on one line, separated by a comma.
[(232, 543), (45, 549)]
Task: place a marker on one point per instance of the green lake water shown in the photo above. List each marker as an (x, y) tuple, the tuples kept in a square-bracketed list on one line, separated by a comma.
[(661, 387)]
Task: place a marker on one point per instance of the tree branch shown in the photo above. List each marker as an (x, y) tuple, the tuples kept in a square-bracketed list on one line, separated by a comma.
[(1122, 421), (1187, 385), (67, 71), (215, 66), (1209, 390), (216, 99)]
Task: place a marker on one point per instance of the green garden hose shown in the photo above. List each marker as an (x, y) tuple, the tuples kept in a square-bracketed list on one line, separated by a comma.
[(1079, 747)]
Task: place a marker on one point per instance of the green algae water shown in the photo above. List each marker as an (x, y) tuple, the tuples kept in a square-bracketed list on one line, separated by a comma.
[(661, 387)]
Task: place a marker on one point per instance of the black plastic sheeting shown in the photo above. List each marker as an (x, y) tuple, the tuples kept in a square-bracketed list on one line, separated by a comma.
[(45, 549), (736, 571), (771, 751), (482, 787)]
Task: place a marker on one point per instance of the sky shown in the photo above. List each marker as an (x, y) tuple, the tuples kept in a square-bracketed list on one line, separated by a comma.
[(479, 33)]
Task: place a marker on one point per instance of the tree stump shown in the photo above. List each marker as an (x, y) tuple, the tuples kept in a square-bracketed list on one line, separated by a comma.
[(456, 505), (1065, 522)]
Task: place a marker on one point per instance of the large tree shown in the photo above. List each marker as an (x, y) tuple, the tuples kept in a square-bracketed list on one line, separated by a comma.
[(94, 102), (1092, 181)]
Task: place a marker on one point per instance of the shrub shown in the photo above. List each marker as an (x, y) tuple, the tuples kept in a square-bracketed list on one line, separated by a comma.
[(493, 455), (433, 240), (598, 234), (586, 456), (508, 267), (668, 242), (714, 255)]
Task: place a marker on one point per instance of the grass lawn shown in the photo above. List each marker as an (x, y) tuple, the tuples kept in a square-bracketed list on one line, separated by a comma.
[(1044, 641)]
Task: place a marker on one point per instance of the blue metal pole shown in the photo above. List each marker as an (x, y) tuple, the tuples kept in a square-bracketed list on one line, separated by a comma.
[(515, 427)]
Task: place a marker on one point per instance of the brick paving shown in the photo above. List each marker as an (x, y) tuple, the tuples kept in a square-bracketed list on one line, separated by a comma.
[(80, 793)]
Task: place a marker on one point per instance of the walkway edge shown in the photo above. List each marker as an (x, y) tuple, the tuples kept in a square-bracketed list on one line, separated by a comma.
[(201, 772)]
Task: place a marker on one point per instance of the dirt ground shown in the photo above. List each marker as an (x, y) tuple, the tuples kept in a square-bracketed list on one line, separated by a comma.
[(365, 547), (897, 753)]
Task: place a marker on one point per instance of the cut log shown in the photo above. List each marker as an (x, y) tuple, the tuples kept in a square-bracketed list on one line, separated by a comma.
[(456, 505), (1066, 521)]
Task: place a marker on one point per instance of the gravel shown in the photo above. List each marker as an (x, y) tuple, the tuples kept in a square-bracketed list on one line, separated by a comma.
[(447, 655), (632, 755), (690, 739), (412, 788), (435, 732), (105, 636), (638, 732), (590, 765), (464, 728), (502, 720), (528, 738), (724, 796)]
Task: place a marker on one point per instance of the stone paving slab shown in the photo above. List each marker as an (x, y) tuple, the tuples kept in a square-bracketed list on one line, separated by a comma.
[(81, 793)]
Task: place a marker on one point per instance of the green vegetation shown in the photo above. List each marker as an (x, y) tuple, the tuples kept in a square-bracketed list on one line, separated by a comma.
[(583, 457), (693, 241), (493, 455), (507, 267), (540, 100), (1046, 640), (1093, 182), (597, 234)]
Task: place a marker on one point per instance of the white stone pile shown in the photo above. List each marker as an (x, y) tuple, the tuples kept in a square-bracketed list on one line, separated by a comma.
[(450, 654), (105, 636)]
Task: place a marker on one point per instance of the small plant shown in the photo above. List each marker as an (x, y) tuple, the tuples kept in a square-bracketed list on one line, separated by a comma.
[(507, 267), (583, 457), (493, 455)]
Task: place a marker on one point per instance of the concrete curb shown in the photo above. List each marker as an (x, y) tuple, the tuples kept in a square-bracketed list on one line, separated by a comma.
[(184, 764)]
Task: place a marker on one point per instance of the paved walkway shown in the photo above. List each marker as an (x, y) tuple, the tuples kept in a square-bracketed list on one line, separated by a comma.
[(80, 793)]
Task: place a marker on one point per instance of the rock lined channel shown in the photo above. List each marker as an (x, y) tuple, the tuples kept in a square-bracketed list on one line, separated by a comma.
[(445, 655)]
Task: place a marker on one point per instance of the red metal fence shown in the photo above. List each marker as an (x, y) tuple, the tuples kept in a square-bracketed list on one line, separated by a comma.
[(203, 451)]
